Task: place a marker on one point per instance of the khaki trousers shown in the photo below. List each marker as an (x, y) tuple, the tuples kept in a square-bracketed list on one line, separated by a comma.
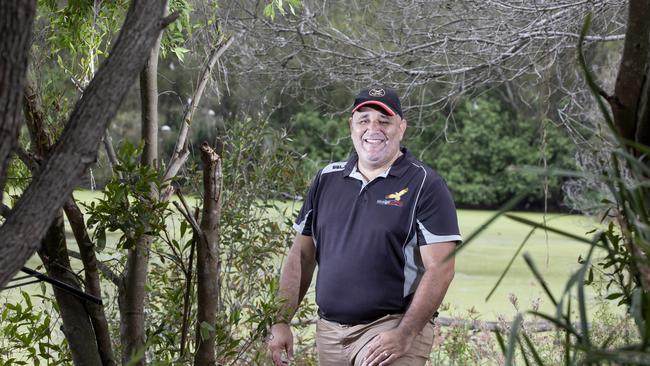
[(340, 345)]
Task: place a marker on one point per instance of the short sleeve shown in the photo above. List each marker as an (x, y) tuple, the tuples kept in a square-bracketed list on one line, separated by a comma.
[(303, 223), (435, 214)]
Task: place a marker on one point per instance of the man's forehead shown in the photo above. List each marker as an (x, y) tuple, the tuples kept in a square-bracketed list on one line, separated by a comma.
[(366, 111)]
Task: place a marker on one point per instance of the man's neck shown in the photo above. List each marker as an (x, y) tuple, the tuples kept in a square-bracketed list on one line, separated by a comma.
[(372, 172)]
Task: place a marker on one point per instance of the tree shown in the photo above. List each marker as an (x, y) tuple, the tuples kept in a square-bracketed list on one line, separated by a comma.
[(630, 106), (77, 147), (430, 50), (64, 162)]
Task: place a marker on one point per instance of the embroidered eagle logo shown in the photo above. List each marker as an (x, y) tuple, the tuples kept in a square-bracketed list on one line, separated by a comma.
[(397, 195)]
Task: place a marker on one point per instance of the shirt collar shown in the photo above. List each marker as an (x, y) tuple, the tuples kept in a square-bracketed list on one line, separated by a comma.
[(398, 168)]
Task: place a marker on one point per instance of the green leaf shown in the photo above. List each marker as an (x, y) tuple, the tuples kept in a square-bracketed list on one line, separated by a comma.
[(548, 228), (523, 351), (206, 329), (613, 296), (533, 350), (512, 260), (582, 301), (183, 227), (502, 210), (100, 236), (512, 340), (269, 11), (500, 341), (539, 277)]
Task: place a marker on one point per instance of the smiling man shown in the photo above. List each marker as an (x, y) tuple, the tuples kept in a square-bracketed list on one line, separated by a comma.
[(379, 226)]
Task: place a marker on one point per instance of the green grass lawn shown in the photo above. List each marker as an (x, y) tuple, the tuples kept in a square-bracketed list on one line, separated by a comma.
[(479, 265)]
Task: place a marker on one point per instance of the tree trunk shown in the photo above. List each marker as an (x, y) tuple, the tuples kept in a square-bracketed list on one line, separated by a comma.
[(632, 79), (149, 100), (207, 259), (40, 145), (77, 147), (133, 293), (35, 116), (92, 282), (16, 20), (630, 104), (131, 301), (77, 326)]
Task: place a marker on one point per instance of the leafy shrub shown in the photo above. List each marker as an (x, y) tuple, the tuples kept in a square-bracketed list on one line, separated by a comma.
[(489, 143)]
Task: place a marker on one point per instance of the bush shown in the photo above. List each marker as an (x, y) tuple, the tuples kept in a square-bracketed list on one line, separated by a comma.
[(481, 163), (321, 139)]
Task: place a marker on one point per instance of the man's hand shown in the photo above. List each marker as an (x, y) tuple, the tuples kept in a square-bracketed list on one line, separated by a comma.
[(387, 347), (280, 341)]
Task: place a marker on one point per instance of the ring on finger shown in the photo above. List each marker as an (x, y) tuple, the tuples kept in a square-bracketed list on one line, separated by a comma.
[(386, 354)]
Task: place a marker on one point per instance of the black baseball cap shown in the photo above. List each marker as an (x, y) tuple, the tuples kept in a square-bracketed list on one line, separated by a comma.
[(384, 98)]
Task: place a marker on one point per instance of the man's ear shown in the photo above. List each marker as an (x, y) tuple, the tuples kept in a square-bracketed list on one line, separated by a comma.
[(350, 122)]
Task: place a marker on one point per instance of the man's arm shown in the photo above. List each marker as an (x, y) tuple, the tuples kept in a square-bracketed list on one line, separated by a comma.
[(294, 282), (426, 300)]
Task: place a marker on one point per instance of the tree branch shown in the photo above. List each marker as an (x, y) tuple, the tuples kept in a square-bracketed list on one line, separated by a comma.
[(169, 19), (4, 210), (181, 152), (92, 283), (103, 268), (16, 20)]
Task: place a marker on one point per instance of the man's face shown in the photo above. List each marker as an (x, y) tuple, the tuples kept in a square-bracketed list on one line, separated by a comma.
[(376, 136)]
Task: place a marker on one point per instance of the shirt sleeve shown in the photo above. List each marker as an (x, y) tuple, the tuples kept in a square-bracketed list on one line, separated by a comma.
[(435, 214), (303, 223)]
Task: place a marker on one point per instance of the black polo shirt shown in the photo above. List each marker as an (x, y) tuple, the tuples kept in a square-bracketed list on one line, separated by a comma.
[(367, 235)]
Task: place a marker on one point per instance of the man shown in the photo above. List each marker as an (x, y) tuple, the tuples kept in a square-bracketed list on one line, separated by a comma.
[(380, 227)]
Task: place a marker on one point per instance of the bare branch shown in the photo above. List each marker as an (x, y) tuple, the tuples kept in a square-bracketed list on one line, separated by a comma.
[(181, 152)]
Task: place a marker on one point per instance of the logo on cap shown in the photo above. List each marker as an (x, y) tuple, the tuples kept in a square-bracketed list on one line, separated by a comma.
[(376, 93)]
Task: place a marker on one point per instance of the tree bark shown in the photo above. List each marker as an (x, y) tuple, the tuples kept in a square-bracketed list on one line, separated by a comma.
[(55, 244), (630, 102), (132, 293), (92, 282), (149, 100), (77, 147), (627, 104), (16, 21), (77, 326), (207, 259), (35, 115), (131, 301)]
